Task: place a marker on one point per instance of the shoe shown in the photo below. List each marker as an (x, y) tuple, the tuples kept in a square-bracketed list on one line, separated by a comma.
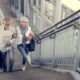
[(23, 67)]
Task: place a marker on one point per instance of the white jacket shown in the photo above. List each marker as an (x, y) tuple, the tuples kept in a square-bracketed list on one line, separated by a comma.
[(6, 36), (19, 35)]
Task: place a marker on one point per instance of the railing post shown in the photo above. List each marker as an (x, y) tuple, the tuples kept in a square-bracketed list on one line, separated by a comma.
[(40, 53), (53, 60), (76, 65)]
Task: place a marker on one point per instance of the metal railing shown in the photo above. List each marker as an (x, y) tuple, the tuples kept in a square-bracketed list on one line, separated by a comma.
[(59, 44), (59, 26)]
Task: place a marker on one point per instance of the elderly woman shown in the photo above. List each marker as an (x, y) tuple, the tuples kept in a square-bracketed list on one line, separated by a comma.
[(7, 43), (24, 35)]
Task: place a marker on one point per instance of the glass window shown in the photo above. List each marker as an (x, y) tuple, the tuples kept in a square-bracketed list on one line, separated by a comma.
[(12, 2), (16, 4), (9, 1), (22, 6), (34, 2), (34, 18), (63, 14), (49, 7)]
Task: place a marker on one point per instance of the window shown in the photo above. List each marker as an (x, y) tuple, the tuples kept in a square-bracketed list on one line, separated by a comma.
[(34, 2), (63, 14), (9, 1), (12, 2), (16, 4), (34, 18), (39, 3), (49, 8), (22, 6)]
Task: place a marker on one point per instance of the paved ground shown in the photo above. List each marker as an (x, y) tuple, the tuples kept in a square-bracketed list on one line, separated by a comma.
[(33, 73)]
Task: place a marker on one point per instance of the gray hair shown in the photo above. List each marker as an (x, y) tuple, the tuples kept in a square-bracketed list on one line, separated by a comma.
[(23, 18)]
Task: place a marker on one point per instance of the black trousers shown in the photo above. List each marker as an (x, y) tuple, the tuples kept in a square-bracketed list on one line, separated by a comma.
[(4, 62), (4, 65), (1, 60)]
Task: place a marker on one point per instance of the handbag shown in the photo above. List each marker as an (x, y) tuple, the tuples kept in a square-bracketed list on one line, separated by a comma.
[(32, 45)]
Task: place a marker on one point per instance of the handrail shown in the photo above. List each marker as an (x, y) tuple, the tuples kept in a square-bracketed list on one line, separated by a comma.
[(60, 22), (58, 29)]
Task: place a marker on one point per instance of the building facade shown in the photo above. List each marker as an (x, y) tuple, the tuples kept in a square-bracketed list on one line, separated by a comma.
[(42, 13)]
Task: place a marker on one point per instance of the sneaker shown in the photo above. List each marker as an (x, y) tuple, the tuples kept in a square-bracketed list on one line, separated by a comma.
[(24, 68)]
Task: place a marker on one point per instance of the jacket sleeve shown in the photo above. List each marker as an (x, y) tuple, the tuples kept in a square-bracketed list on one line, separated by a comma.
[(14, 36)]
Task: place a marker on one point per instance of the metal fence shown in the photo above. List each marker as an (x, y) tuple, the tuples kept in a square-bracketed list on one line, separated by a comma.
[(61, 47)]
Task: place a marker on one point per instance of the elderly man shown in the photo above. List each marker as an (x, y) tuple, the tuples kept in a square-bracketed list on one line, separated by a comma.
[(7, 40), (24, 35)]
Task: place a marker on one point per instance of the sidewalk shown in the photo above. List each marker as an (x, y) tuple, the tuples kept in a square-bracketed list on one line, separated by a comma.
[(35, 74), (74, 74)]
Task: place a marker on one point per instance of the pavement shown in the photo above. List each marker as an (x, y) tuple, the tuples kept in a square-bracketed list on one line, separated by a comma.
[(35, 74), (75, 74)]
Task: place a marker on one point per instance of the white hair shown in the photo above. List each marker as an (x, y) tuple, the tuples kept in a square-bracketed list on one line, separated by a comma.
[(23, 18)]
